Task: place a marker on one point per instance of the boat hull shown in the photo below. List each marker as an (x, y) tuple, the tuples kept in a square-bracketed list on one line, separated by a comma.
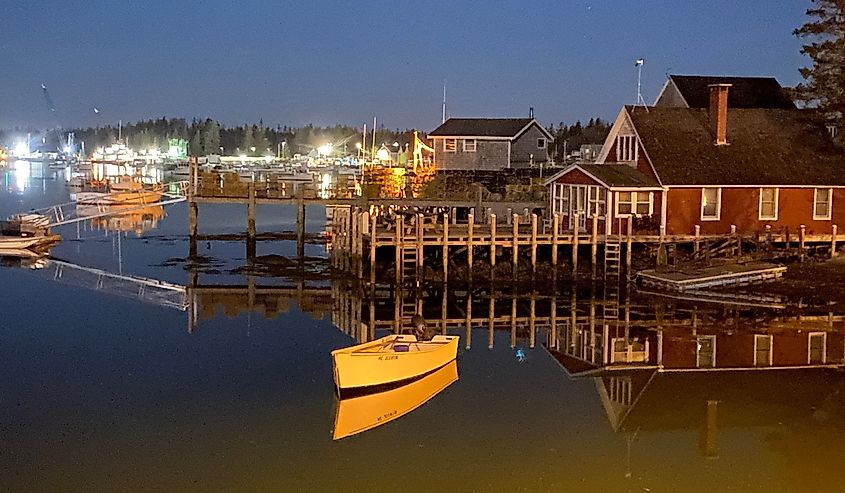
[(140, 197), (363, 413), (366, 365)]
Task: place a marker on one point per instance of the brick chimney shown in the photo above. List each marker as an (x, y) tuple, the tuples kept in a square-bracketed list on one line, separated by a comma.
[(718, 110)]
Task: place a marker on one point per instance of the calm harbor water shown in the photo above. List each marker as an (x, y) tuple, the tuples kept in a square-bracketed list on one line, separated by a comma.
[(105, 391)]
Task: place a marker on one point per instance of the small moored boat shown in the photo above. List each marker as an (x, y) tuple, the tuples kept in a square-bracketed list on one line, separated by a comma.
[(365, 412), (391, 359)]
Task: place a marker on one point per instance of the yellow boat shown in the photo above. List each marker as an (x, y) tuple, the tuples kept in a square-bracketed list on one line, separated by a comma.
[(391, 359), (363, 413)]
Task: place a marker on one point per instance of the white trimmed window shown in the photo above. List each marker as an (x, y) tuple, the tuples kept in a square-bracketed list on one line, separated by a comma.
[(450, 145), (822, 201), (541, 143), (831, 129), (711, 204), (561, 199), (469, 145), (636, 203), (769, 204), (597, 198), (626, 148), (762, 350)]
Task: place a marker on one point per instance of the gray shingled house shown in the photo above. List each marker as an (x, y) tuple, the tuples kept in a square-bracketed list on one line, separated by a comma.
[(490, 143)]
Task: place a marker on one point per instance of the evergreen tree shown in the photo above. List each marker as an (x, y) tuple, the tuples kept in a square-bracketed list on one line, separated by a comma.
[(259, 140), (248, 142), (211, 137), (825, 80)]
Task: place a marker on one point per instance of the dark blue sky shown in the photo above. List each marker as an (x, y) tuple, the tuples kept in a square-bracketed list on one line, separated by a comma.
[(331, 62)]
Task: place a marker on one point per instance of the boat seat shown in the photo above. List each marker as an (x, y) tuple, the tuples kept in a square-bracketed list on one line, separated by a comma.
[(401, 348)]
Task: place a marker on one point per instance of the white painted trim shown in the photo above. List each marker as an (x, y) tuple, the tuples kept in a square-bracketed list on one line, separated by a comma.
[(573, 167), (474, 145), (771, 348), (760, 204), (454, 150), (786, 187), (824, 346), (533, 122), (634, 202), (713, 357), (664, 209), (611, 138), (718, 205), (509, 154), (619, 149), (545, 142), (829, 204), (476, 137)]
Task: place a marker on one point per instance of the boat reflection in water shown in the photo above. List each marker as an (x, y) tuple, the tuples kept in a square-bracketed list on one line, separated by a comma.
[(124, 217), (360, 413)]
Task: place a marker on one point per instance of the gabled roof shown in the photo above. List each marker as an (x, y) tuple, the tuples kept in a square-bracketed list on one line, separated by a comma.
[(745, 92), (507, 128), (612, 175), (765, 147)]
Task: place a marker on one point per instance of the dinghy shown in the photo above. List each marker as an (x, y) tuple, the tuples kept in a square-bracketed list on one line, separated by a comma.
[(362, 413), (391, 359)]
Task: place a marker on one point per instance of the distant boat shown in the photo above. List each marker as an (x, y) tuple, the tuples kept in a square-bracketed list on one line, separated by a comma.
[(123, 192), (365, 412), (391, 359)]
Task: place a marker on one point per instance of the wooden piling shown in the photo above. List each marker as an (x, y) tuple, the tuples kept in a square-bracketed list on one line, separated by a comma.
[(833, 241), (420, 232), (697, 243), (802, 253), (515, 252), (445, 246), (470, 226), (250, 220), (193, 228), (629, 243), (491, 319), (594, 246), (373, 249), (555, 240), (534, 243), (398, 249), (513, 321), (468, 320), (532, 326), (492, 244), (300, 227), (576, 222)]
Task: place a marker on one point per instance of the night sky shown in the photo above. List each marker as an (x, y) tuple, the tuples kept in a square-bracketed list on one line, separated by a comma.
[(330, 62)]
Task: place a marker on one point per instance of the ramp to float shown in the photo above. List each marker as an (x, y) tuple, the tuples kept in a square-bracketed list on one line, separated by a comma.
[(711, 277)]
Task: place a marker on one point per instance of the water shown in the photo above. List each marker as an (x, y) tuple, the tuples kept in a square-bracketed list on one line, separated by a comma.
[(104, 390)]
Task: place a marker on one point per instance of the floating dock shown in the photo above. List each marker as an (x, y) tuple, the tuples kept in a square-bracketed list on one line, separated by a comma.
[(729, 274)]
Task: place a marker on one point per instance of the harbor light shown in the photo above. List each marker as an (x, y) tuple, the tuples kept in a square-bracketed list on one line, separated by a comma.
[(67, 150), (325, 149), (21, 149)]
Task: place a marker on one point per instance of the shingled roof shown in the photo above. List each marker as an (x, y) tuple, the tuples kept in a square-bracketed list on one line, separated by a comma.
[(481, 127), (765, 147), (619, 175), (745, 92)]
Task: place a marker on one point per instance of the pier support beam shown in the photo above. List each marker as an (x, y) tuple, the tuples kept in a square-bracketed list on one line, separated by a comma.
[(514, 259), (250, 221), (492, 245), (594, 245), (555, 237), (300, 228), (193, 228), (833, 241), (629, 248), (445, 243), (575, 246)]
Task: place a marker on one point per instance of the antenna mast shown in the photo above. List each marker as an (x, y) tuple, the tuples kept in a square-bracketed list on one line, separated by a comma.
[(444, 103), (640, 100)]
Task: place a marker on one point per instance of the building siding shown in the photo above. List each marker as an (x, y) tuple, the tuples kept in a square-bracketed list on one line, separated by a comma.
[(740, 207), (488, 155), (523, 148)]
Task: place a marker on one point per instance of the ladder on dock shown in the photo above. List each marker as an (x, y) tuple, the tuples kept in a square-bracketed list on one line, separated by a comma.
[(612, 275), (410, 265)]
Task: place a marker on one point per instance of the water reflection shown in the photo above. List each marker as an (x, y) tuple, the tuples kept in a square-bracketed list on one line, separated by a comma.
[(360, 413)]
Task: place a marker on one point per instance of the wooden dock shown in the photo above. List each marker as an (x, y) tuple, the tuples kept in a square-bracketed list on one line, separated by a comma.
[(726, 274)]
